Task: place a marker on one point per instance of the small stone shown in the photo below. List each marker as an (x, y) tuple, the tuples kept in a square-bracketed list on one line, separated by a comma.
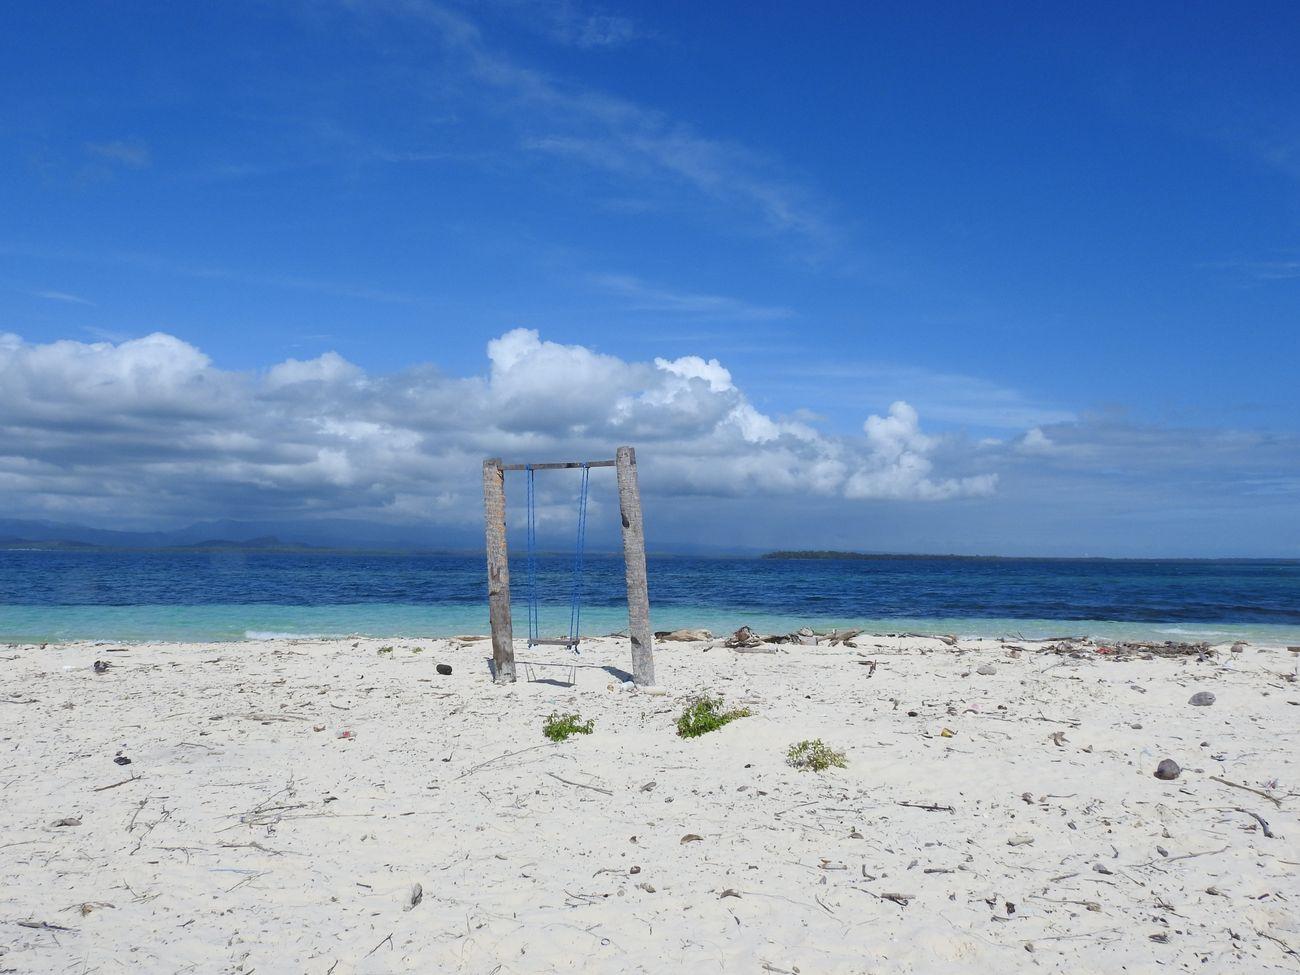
[(1101, 868), (1020, 841), (987, 670), (101, 666), (1168, 770), (1201, 699), (444, 669)]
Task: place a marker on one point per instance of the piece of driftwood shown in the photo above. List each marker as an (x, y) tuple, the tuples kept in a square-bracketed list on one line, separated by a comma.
[(580, 785), (1263, 823), (1259, 792)]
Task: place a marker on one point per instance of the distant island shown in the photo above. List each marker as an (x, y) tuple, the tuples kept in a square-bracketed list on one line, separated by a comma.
[(877, 556)]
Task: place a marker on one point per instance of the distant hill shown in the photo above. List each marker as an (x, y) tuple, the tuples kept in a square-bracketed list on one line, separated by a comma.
[(13, 544), (876, 556)]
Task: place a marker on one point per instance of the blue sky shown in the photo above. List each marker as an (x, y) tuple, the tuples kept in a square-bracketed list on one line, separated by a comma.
[(1068, 239)]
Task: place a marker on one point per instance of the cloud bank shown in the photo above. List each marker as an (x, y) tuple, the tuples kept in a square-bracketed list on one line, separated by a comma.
[(152, 429)]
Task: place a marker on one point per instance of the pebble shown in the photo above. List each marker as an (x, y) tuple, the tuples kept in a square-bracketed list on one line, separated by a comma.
[(444, 669), (1168, 770), (988, 670), (1201, 699)]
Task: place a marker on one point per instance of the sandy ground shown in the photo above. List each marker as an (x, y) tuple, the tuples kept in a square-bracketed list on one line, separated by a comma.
[(242, 839)]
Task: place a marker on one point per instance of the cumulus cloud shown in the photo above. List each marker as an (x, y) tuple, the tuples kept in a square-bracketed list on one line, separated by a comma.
[(898, 463), (151, 427)]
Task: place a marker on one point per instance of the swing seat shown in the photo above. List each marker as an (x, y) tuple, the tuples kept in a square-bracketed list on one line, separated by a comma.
[(557, 642)]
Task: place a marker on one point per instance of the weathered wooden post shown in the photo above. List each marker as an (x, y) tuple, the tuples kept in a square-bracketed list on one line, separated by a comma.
[(498, 568), (638, 595)]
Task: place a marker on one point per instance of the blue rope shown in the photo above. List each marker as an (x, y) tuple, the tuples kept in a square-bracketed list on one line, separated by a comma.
[(532, 556), (575, 606)]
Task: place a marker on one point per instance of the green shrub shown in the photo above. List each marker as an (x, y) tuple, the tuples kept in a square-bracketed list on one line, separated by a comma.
[(704, 714), (558, 727), (815, 755), (384, 650)]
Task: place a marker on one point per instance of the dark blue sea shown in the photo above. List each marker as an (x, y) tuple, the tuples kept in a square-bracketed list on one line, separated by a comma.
[(112, 595)]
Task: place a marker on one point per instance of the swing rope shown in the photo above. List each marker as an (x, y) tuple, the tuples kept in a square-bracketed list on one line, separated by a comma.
[(575, 601), (575, 607), (532, 556)]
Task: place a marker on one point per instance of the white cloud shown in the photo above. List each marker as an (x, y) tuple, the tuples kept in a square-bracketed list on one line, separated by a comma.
[(122, 152), (64, 297), (642, 297), (899, 464), (151, 426), (613, 134)]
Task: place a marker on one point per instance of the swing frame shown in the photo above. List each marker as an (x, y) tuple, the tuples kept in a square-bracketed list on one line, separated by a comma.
[(498, 562)]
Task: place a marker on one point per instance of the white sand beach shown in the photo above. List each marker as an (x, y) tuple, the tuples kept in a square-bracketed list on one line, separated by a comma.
[(245, 835)]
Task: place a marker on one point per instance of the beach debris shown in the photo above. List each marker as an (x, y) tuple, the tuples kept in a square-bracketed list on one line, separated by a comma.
[(900, 899), (318, 727), (683, 636), (1263, 823), (986, 670), (743, 637), (1259, 792), (43, 926), (121, 760), (648, 888), (690, 838), (416, 895), (1020, 840), (1168, 770), (1201, 699), (927, 806), (68, 821), (947, 733), (649, 786), (444, 669), (1057, 738), (101, 666), (1160, 938), (729, 892), (347, 734)]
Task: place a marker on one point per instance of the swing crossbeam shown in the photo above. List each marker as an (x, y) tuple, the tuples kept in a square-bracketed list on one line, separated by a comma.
[(566, 466)]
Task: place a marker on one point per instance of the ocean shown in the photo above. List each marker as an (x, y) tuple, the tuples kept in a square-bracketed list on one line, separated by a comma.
[(48, 596)]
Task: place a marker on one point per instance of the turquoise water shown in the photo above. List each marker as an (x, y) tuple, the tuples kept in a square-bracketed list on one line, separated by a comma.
[(396, 620), (142, 596)]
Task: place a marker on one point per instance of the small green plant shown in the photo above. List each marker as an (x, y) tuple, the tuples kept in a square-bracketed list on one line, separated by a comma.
[(385, 650), (815, 755), (558, 727), (704, 714), (417, 649)]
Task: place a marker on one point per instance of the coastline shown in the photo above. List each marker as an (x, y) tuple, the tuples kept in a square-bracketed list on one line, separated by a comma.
[(260, 622)]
